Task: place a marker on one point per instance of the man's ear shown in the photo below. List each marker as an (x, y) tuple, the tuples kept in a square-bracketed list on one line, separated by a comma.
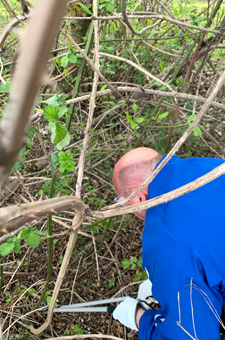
[(142, 197)]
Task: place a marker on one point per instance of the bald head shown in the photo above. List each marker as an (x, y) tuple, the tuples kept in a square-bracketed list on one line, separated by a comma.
[(132, 170), (137, 159)]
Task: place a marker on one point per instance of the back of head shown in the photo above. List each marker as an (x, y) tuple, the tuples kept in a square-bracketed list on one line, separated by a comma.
[(134, 168)]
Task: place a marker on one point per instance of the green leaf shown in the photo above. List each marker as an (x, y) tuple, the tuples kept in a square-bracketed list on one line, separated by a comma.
[(65, 155), (65, 158), (109, 7), (139, 119), (68, 166), (7, 247), (64, 142), (60, 136), (126, 264), (149, 22), (51, 113), (5, 88), (48, 300), (55, 160), (56, 100), (85, 8), (197, 131), (103, 87), (62, 110), (133, 266), (191, 118), (162, 115), (135, 108), (17, 244), (31, 132), (140, 276), (132, 123), (72, 58), (31, 236), (139, 263), (64, 61), (58, 132)]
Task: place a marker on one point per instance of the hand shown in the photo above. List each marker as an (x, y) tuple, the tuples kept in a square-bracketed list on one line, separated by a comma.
[(125, 312), (130, 310)]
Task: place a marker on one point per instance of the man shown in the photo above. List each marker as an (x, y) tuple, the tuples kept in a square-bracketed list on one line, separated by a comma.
[(183, 248)]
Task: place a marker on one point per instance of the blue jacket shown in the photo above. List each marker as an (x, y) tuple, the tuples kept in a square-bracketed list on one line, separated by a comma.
[(184, 254)]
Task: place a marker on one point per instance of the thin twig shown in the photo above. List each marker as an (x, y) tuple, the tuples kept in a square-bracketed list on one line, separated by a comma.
[(75, 277), (96, 259), (87, 336), (93, 66), (148, 16), (147, 92), (138, 67)]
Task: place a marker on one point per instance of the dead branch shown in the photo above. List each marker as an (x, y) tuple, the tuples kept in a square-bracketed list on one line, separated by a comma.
[(148, 15), (125, 19), (9, 27), (13, 217), (148, 92), (138, 67), (87, 336), (30, 75), (210, 176)]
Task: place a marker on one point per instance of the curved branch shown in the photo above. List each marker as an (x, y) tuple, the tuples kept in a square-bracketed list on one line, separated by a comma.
[(126, 20), (13, 217), (9, 27), (210, 176)]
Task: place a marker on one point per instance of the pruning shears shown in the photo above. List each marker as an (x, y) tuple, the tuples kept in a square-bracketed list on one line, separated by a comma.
[(90, 307)]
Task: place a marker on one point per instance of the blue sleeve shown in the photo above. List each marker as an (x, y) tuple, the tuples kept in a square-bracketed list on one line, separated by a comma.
[(192, 315)]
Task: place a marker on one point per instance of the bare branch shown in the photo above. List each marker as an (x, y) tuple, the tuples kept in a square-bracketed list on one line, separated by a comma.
[(217, 172), (87, 336), (148, 92), (125, 18), (149, 15), (9, 27), (13, 217)]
